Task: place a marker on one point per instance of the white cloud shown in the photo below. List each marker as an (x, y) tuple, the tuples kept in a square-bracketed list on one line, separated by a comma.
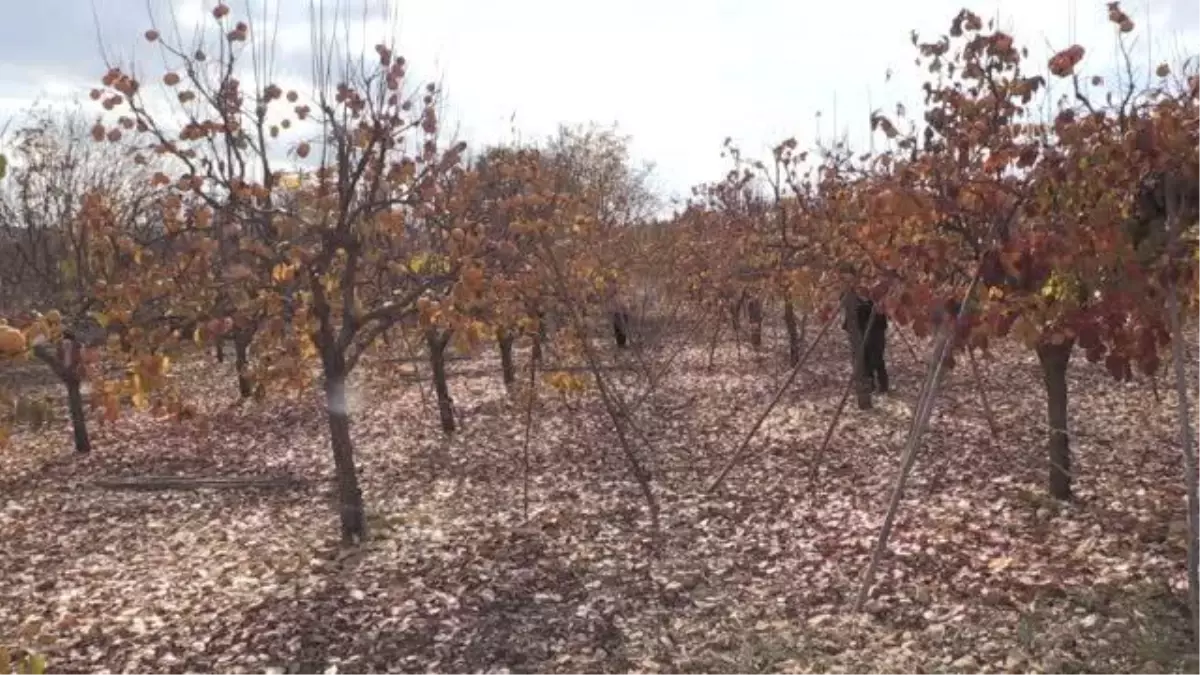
[(681, 75)]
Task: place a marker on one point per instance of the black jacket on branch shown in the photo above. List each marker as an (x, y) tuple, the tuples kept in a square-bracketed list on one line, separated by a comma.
[(874, 342)]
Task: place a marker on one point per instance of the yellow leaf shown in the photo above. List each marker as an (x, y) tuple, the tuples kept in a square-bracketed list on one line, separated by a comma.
[(307, 348), (100, 317), (418, 262), (283, 272)]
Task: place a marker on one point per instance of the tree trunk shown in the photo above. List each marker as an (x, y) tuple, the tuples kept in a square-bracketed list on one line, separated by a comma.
[(793, 332), (858, 354), (735, 314), (754, 312), (535, 351), (620, 326), (64, 361), (83, 444), (1054, 360), (241, 350), (350, 501), (712, 345), (437, 341), (539, 336), (505, 339)]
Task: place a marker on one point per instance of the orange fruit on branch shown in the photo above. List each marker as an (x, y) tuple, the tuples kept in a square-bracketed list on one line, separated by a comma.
[(12, 341), (1063, 63)]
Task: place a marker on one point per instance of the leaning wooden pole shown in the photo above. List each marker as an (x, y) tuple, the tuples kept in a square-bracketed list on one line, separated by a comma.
[(1187, 435), (815, 466), (920, 421), (741, 449)]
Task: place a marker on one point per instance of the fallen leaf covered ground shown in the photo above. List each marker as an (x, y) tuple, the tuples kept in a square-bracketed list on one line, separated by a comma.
[(983, 573)]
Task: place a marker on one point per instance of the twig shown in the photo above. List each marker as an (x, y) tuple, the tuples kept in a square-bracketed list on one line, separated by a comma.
[(737, 454), (983, 397), (815, 468), (147, 483), (653, 378), (911, 350)]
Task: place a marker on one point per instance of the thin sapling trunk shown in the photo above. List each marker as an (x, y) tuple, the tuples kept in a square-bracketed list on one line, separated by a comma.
[(436, 340), (64, 362), (504, 339), (793, 331)]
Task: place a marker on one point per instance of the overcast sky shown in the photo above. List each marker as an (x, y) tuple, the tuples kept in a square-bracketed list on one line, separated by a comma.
[(677, 75)]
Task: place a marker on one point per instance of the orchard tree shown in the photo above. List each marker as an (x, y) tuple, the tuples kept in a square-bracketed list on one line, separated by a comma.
[(1036, 212), (961, 196), (558, 228), (594, 164), (517, 286), (729, 217), (792, 233), (70, 212), (596, 161), (329, 266), (1071, 276), (450, 235), (1101, 244)]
